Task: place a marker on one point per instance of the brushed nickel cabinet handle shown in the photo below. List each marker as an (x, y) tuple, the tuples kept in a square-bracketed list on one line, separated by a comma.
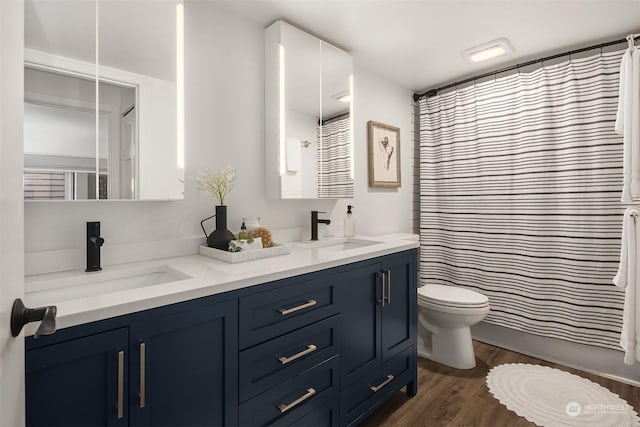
[(120, 384), (284, 408), (384, 281), (375, 388), (388, 286), (310, 349), (285, 311), (143, 379)]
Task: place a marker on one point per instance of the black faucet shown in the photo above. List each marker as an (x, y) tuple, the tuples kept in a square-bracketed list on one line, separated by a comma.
[(314, 224), (94, 241)]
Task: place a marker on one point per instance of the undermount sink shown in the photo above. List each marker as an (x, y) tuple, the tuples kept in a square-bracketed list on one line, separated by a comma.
[(84, 285), (336, 245)]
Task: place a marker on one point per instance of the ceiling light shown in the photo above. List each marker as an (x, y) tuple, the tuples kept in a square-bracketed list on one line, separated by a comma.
[(488, 50), (343, 97)]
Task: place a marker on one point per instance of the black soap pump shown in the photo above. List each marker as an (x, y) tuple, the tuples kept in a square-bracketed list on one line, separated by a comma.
[(349, 223)]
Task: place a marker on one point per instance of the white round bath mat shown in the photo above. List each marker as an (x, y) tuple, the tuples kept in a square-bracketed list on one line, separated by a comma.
[(549, 397)]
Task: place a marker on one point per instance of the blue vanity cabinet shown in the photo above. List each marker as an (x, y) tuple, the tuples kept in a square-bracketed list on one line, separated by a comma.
[(184, 366), (79, 382), (361, 349), (174, 365), (399, 313), (319, 349), (379, 333)]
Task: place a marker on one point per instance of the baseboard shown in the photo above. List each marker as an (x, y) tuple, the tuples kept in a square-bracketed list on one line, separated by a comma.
[(596, 360)]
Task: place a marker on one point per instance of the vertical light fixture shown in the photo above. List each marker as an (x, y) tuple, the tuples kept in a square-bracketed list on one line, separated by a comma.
[(97, 32), (351, 133), (180, 83), (281, 103)]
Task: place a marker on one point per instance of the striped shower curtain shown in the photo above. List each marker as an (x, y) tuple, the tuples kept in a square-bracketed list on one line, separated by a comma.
[(334, 159), (520, 181)]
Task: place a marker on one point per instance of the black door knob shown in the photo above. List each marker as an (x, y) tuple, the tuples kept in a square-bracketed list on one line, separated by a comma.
[(21, 315)]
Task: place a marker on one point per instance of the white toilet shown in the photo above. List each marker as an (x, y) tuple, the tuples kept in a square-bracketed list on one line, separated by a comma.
[(445, 314)]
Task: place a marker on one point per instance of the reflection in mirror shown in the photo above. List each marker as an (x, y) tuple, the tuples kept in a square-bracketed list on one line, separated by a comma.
[(299, 171), (335, 159), (60, 111), (308, 123), (130, 131), (60, 138)]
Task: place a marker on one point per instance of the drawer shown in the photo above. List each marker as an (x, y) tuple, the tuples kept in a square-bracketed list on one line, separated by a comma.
[(269, 314), (270, 363), (291, 400), (358, 399), (324, 416)]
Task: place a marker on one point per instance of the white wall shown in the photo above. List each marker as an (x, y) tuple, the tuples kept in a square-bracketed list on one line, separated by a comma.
[(224, 70)]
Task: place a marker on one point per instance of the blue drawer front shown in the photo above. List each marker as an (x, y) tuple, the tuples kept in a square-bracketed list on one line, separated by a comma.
[(359, 399), (263, 365), (269, 314), (326, 415), (302, 394)]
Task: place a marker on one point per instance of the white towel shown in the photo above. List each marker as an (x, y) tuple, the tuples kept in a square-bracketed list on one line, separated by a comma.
[(294, 155), (628, 122), (628, 277), (290, 185)]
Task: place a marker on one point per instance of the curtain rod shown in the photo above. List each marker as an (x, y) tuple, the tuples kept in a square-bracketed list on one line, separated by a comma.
[(434, 92), (330, 119)]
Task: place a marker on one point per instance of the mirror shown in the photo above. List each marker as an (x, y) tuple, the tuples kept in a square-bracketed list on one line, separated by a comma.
[(308, 128), (104, 122)]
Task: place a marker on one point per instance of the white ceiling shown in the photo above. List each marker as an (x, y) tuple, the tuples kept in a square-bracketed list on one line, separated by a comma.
[(418, 43)]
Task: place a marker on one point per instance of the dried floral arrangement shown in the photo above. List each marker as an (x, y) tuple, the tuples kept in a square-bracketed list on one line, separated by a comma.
[(217, 184)]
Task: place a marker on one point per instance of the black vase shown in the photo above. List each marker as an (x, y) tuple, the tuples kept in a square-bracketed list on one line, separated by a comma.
[(220, 237)]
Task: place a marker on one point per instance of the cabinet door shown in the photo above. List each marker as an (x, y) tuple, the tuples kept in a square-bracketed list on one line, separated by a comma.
[(400, 308), (82, 382), (184, 366), (361, 296)]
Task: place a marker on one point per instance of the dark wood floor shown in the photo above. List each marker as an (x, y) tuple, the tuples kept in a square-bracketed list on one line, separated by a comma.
[(451, 397)]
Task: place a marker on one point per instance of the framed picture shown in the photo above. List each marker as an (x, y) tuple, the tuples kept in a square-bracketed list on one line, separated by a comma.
[(384, 155)]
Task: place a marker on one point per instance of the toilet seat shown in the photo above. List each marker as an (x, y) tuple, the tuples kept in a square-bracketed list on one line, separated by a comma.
[(452, 296)]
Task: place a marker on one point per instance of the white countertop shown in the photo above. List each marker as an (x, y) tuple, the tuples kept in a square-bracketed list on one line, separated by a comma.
[(203, 276)]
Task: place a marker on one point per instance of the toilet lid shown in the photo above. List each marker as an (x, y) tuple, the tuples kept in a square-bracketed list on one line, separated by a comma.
[(452, 296)]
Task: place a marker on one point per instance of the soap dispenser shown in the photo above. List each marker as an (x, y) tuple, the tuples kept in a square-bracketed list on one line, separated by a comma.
[(349, 223), (243, 234)]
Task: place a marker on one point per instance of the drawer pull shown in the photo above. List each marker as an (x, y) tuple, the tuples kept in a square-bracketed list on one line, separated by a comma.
[(285, 311), (310, 349), (143, 380), (120, 402), (375, 388), (388, 286), (284, 408)]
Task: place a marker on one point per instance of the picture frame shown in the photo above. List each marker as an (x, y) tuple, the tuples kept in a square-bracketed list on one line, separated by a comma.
[(384, 155)]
